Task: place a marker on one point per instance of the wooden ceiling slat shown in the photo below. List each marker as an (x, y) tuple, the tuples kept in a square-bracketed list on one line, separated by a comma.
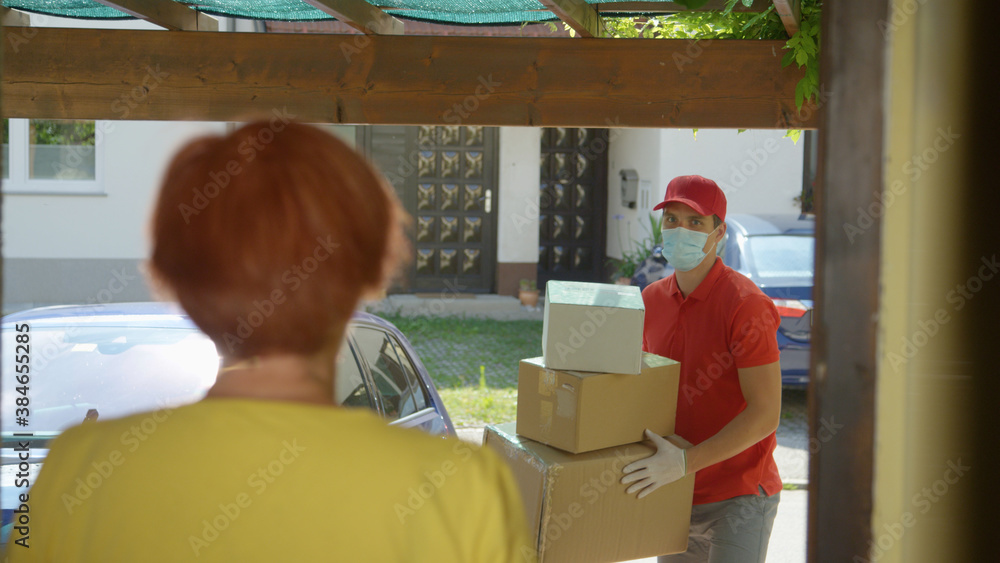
[(360, 15), (578, 14), (13, 18), (790, 12), (673, 7), (540, 82), (165, 13)]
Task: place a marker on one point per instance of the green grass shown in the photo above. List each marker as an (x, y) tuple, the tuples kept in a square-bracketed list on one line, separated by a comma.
[(471, 406), (473, 362)]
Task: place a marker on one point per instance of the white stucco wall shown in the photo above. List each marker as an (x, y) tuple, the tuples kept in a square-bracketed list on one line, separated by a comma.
[(760, 171), (112, 225), (640, 150), (517, 231)]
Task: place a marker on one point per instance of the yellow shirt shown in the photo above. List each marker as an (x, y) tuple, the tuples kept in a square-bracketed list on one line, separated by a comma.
[(247, 480)]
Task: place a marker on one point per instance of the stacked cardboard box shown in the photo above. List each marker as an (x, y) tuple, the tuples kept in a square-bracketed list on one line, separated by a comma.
[(581, 412), (579, 510)]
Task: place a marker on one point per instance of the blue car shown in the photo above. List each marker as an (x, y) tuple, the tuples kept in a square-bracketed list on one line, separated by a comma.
[(777, 253), (108, 361)]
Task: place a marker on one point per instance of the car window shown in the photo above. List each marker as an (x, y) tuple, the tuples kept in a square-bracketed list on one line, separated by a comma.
[(391, 382), (419, 391), (350, 387), (730, 251), (782, 256)]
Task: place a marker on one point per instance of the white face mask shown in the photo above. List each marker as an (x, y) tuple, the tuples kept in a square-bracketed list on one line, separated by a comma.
[(683, 248)]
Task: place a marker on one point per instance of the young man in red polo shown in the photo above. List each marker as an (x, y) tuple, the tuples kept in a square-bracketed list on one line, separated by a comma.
[(723, 331)]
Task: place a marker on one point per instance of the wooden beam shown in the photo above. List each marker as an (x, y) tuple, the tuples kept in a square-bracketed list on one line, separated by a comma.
[(790, 12), (673, 7), (165, 13), (578, 14), (360, 15), (14, 18), (540, 82), (846, 334)]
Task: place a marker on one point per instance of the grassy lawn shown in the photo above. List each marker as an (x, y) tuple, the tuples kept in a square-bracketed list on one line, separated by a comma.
[(473, 362)]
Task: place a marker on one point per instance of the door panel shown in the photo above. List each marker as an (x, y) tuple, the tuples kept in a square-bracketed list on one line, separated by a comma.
[(574, 166), (446, 179)]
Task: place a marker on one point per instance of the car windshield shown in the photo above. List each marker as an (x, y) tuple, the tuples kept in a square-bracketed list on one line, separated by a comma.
[(782, 256), (106, 371)]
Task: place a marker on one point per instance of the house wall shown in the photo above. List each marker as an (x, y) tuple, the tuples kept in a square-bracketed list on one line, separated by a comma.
[(517, 214), (89, 248), (639, 150), (760, 171)]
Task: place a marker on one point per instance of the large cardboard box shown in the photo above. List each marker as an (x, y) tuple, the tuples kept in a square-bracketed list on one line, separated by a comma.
[(581, 411), (579, 510), (592, 327)]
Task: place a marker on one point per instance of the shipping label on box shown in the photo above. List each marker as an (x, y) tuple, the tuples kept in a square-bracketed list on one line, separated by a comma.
[(579, 510), (582, 411), (592, 327)]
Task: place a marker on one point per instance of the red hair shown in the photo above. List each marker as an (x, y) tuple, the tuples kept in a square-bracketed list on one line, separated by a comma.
[(269, 236)]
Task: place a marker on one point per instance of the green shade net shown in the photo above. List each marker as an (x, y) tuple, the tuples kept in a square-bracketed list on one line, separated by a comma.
[(465, 12)]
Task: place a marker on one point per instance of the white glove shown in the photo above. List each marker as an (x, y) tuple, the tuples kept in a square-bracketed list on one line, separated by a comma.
[(667, 465)]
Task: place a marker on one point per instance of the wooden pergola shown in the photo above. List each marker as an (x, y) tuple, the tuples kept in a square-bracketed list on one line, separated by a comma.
[(383, 76), (386, 77)]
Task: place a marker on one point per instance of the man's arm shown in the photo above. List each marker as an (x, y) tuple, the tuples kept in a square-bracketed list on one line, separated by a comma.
[(761, 386)]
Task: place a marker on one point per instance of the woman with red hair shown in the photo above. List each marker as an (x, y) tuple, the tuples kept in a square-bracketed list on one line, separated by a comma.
[(269, 237)]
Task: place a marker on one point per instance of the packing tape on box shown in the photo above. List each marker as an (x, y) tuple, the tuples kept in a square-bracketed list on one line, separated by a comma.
[(566, 401), (546, 382), (545, 418), (551, 476)]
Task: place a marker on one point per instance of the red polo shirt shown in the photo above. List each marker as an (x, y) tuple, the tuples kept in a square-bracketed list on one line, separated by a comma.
[(726, 323)]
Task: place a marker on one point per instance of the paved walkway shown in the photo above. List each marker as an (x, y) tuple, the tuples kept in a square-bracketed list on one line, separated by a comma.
[(497, 307)]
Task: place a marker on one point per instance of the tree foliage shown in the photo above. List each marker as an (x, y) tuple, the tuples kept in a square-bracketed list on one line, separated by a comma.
[(803, 47), (61, 132)]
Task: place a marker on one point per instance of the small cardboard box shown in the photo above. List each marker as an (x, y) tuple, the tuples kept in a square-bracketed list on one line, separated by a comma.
[(592, 327), (580, 411), (578, 509)]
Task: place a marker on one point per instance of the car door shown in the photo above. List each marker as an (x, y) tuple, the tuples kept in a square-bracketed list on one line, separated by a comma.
[(351, 387), (401, 396)]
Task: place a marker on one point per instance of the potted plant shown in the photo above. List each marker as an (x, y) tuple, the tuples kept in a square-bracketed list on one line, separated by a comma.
[(528, 293), (638, 251)]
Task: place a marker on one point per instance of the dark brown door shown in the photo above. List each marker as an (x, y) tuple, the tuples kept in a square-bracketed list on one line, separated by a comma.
[(446, 178), (572, 204)]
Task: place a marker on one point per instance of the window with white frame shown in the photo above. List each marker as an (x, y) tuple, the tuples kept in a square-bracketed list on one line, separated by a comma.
[(50, 156)]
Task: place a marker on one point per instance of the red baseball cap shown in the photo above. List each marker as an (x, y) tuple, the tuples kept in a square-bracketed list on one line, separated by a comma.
[(700, 193)]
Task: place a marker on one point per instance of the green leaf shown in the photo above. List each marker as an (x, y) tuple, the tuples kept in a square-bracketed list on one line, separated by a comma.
[(801, 57), (800, 92), (808, 43), (788, 58), (758, 17), (738, 131), (694, 132), (794, 135), (748, 3)]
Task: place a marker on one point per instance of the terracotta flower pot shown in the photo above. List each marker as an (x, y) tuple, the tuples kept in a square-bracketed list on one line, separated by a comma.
[(528, 297)]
